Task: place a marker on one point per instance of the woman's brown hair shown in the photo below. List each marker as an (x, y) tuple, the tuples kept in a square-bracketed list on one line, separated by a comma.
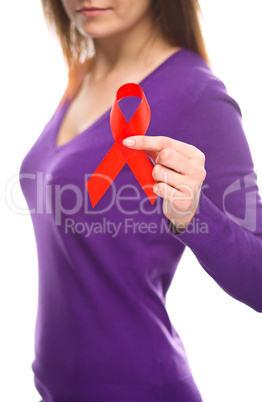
[(178, 19)]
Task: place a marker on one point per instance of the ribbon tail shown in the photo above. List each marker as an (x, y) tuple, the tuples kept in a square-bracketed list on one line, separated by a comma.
[(99, 182), (142, 170)]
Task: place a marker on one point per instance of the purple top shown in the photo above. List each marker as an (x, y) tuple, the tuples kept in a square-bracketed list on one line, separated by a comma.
[(102, 330)]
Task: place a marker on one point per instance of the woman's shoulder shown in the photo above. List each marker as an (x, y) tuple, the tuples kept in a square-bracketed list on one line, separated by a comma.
[(186, 92), (191, 73), (186, 77)]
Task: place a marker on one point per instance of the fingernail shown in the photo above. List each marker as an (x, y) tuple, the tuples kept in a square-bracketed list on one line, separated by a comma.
[(155, 189), (128, 142)]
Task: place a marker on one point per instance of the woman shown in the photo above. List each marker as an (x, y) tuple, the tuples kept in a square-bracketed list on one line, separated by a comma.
[(102, 331)]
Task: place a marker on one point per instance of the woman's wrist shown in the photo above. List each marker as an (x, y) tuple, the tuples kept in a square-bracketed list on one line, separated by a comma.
[(176, 229)]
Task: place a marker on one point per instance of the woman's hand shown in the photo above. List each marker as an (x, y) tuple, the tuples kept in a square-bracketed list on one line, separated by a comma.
[(179, 173)]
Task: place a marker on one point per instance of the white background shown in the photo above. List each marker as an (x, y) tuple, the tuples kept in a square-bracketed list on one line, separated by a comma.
[(222, 336)]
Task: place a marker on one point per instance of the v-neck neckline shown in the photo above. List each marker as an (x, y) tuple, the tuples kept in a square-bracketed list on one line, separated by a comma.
[(65, 106)]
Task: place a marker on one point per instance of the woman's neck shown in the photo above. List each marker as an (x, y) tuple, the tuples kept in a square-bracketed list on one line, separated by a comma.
[(135, 49)]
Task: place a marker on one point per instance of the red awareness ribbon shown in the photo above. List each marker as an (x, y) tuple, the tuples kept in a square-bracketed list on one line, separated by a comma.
[(118, 154)]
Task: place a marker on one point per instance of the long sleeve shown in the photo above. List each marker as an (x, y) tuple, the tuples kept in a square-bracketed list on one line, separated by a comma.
[(226, 233)]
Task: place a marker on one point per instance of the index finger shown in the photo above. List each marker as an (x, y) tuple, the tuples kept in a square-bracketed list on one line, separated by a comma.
[(157, 143)]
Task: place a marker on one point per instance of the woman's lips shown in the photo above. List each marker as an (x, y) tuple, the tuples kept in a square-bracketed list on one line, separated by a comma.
[(92, 11)]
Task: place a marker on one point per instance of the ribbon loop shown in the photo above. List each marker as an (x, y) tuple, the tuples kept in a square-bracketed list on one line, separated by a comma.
[(118, 154)]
